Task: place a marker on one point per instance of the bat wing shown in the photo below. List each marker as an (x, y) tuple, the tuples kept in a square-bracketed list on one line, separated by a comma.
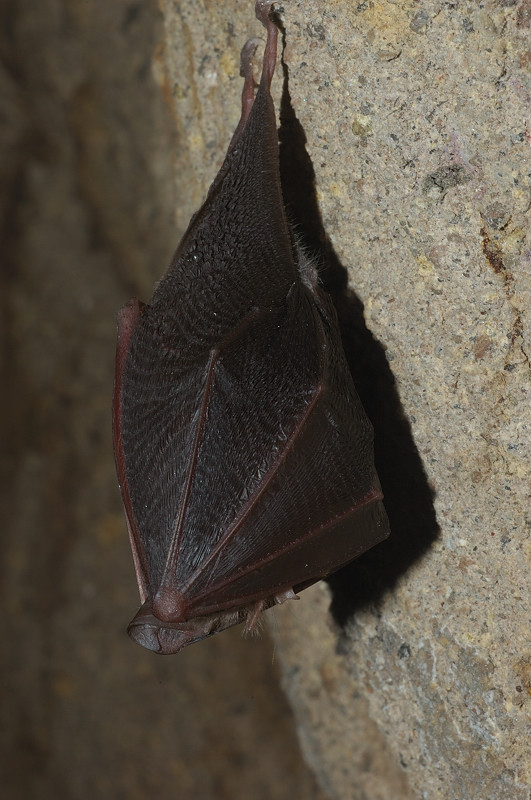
[(301, 446), (250, 472), (243, 453)]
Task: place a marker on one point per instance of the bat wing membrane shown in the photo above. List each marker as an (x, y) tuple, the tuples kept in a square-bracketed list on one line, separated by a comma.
[(196, 447), (237, 494), (319, 486), (243, 452)]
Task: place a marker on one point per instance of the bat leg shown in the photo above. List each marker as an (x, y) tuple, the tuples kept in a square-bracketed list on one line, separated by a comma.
[(263, 9), (263, 13), (256, 609), (246, 72), (253, 615)]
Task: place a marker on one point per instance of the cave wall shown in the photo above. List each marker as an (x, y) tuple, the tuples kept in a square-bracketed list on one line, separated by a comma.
[(414, 116)]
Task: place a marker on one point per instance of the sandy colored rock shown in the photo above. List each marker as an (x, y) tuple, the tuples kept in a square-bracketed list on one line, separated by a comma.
[(415, 120), (415, 125)]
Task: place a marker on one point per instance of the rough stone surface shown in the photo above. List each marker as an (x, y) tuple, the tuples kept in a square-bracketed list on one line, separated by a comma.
[(87, 205), (415, 120)]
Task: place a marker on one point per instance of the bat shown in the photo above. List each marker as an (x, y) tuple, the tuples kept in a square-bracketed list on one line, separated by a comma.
[(243, 454)]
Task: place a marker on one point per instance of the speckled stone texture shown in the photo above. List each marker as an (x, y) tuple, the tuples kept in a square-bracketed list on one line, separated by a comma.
[(414, 115), (405, 160)]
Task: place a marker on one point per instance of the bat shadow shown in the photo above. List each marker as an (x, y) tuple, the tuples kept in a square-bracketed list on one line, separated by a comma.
[(408, 497)]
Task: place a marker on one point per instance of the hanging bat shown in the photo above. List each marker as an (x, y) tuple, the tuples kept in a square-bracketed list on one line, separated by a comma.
[(244, 456)]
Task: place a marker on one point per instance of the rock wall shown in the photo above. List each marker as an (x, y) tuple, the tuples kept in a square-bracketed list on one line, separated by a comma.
[(417, 144), (405, 160)]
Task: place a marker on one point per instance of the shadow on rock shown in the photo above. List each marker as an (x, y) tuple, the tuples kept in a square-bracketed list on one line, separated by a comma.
[(408, 497)]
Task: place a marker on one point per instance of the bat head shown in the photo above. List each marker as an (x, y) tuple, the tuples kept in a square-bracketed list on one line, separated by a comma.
[(167, 638)]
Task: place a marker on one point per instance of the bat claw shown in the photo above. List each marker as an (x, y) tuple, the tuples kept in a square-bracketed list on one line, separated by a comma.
[(289, 594), (262, 9)]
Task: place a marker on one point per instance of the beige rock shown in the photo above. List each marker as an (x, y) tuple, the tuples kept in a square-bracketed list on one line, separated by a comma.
[(415, 119), (416, 128)]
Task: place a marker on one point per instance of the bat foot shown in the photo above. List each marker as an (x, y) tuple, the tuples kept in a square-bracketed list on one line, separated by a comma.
[(263, 13), (246, 61), (254, 615), (247, 72), (289, 594), (262, 9)]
